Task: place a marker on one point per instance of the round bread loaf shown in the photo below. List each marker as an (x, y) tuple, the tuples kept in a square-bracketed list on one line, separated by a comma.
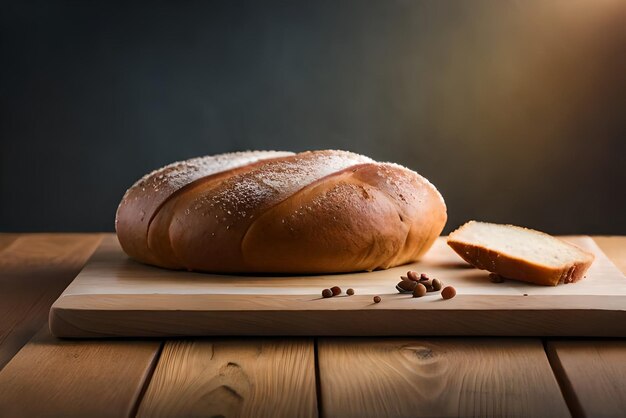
[(279, 212)]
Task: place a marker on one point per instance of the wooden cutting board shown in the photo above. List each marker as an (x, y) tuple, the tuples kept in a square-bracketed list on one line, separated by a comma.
[(116, 296)]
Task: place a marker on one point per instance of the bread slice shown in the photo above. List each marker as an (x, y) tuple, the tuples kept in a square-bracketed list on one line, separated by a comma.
[(520, 253)]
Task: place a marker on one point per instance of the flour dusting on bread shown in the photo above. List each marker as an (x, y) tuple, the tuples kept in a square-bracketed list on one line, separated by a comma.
[(229, 213)]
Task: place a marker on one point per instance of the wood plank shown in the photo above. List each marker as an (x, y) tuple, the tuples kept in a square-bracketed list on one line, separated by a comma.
[(240, 377), (437, 377), (615, 249), (65, 378), (115, 296), (592, 375), (6, 239), (34, 270)]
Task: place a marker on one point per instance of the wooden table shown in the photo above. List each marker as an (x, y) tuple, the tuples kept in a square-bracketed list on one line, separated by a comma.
[(290, 377)]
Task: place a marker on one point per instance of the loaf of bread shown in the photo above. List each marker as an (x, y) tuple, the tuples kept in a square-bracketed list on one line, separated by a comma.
[(520, 253), (279, 212)]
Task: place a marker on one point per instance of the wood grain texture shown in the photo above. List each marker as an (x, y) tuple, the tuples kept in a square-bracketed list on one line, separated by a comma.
[(231, 378), (576, 316), (61, 378), (34, 270), (115, 296), (437, 377), (615, 249), (593, 372), (6, 239), (592, 375)]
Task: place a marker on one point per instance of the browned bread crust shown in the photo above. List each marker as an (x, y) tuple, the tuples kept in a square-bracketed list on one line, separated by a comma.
[(313, 212)]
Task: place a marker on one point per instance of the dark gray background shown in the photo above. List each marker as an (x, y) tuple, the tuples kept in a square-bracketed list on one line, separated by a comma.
[(514, 109)]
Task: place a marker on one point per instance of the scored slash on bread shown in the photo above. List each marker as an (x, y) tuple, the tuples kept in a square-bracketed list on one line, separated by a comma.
[(278, 212), (144, 199), (520, 253)]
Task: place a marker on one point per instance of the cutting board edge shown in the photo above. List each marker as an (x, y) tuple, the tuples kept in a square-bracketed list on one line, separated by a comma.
[(90, 323)]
